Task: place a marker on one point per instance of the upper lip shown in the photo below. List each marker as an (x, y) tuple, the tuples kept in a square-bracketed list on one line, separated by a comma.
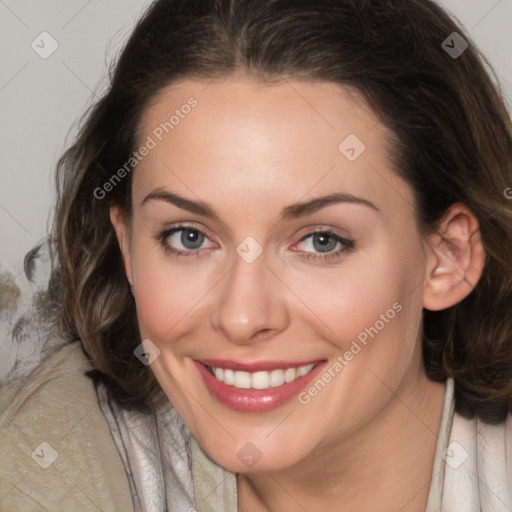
[(255, 366)]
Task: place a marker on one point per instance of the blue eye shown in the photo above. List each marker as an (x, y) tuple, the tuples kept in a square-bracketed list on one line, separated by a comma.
[(325, 242), (192, 238)]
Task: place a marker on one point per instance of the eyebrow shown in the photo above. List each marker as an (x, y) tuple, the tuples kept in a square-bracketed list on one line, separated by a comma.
[(293, 211)]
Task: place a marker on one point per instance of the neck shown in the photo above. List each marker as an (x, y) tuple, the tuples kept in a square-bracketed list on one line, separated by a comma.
[(385, 465)]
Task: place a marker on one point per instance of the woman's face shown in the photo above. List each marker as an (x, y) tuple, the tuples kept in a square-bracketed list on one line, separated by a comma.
[(263, 286)]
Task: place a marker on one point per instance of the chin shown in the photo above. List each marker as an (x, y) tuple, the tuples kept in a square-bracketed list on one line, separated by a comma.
[(250, 457)]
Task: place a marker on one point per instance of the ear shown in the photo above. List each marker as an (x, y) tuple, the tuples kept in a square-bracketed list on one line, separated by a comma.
[(456, 259), (122, 227)]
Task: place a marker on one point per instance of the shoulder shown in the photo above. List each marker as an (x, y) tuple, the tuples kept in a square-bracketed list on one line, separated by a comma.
[(57, 451), (478, 467)]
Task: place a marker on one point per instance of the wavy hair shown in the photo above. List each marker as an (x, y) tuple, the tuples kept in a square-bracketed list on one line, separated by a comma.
[(452, 143)]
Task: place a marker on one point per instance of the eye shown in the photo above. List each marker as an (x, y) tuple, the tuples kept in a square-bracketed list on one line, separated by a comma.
[(325, 242), (186, 241), (182, 241)]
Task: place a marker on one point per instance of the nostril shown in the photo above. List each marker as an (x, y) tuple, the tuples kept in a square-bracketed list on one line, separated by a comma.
[(263, 333)]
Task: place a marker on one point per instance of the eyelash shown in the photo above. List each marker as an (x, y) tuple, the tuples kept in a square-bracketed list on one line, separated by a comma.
[(347, 245)]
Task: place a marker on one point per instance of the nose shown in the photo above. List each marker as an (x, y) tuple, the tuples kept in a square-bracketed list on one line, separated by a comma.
[(251, 303)]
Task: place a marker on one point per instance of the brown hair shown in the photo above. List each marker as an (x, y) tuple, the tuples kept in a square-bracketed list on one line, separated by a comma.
[(453, 143)]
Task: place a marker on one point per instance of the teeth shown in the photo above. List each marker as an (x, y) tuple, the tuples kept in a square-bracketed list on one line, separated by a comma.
[(276, 378), (229, 377), (242, 380), (303, 370), (260, 380), (289, 374)]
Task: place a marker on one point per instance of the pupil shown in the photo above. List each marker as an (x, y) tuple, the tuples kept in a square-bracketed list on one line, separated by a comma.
[(325, 242), (191, 236)]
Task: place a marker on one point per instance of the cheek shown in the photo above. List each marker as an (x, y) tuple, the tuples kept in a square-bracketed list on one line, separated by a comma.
[(169, 294), (350, 298), (365, 301), (347, 302)]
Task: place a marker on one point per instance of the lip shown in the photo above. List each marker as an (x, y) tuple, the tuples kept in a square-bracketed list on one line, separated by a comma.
[(263, 366), (255, 400)]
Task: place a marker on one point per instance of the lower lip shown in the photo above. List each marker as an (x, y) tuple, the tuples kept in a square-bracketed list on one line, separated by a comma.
[(255, 400)]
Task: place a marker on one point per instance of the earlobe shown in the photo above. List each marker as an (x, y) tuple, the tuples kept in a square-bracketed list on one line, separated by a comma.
[(457, 259), (122, 229)]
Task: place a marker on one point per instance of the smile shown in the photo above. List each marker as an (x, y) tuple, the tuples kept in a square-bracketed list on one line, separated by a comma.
[(260, 379), (258, 387)]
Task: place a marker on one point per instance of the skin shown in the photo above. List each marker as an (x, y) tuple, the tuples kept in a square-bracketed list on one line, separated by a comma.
[(250, 149)]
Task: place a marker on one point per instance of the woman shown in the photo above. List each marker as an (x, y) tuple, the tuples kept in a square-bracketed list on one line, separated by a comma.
[(284, 243)]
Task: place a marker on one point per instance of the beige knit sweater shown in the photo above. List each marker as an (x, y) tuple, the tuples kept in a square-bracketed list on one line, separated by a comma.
[(57, 452)]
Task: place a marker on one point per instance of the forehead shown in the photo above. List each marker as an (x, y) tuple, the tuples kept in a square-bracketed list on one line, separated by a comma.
[(281, 140)]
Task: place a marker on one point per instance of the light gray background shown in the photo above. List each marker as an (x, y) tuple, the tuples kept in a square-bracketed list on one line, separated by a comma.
[(41, 98)]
